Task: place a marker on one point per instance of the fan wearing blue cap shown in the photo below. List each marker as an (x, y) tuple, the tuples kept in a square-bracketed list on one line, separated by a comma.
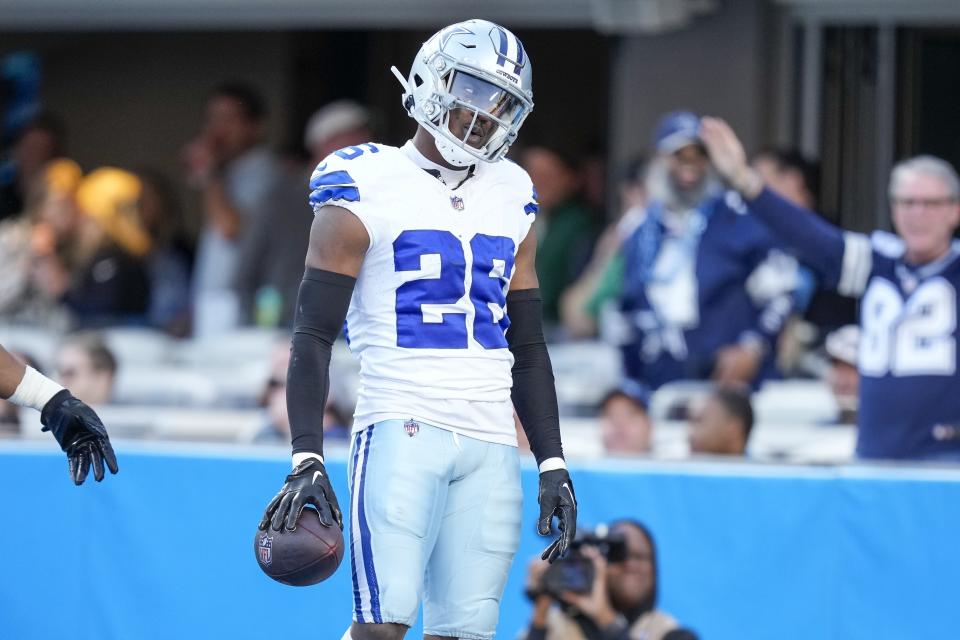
[(706, 291)]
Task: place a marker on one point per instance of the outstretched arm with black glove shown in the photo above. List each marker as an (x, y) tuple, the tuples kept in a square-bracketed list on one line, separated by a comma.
[(535, 400), (76, 427), (338, 243)]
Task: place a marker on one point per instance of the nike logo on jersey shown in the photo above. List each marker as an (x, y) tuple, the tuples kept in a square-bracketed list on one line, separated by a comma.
[(317, 474)]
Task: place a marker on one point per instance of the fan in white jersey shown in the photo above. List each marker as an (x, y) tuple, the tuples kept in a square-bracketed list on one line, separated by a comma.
[(427, 251)]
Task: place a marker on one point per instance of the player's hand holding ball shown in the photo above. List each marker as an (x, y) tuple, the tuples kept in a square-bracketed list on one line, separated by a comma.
[(556, 498), (81, 435), (308, 483), (296, 545)]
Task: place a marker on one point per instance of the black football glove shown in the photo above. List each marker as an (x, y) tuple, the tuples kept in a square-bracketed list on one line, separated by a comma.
[(308, 483), (556, 498), (80, 434)]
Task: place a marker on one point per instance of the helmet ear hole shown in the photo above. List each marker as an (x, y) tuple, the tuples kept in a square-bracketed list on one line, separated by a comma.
[(417, 80)]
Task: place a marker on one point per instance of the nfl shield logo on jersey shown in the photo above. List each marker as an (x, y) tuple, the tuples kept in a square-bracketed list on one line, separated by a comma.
[(456, 202), (412, 427), (265, 550)]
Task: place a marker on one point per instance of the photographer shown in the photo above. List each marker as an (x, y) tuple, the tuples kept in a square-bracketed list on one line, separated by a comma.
[(606, 589)]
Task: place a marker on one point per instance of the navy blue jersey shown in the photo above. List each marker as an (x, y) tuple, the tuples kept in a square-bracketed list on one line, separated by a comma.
[(718, 282), (909, 387)]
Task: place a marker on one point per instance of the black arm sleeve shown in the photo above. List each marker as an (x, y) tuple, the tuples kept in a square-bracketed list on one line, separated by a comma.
[(321, 309), (534, 394)]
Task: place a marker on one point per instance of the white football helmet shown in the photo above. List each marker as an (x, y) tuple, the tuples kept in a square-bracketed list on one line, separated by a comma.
[(479, 67)]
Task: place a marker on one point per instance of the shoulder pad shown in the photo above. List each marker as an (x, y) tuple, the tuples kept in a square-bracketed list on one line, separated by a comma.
[(337, 178), (518, 178)]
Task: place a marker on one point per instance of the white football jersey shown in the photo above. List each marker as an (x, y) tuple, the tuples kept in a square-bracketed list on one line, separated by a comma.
[(428, 314)]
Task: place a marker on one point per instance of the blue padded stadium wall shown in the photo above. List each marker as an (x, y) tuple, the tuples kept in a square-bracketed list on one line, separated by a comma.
[(164, 550)]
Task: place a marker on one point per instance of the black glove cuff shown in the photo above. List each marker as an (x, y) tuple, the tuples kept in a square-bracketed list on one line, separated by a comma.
[(301, 469), (53, 404)]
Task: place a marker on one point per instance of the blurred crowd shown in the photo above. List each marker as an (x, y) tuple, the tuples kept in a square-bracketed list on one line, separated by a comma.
[(654, 258)]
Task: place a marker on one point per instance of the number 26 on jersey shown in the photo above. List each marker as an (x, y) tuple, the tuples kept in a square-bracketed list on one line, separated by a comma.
[(417, 300)]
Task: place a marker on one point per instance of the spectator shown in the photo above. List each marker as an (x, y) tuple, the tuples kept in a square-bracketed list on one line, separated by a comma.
[(87, 366), (909, 402), (86, 247), (797, 179), (565, 227), (168, 260), (39, 142), (705, 292), (109, 283), (272, 255), (842, 375), (340, 124), (32, 246), (586, 299), (624, 423), (235, 175), (790, 174), (621, 604), (274, 400), (721, 425)]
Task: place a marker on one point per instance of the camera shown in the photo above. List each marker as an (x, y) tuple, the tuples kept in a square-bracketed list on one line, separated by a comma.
[(575, 572)]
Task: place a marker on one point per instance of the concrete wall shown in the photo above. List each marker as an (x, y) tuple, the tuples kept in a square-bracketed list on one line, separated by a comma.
[(720, 65), (134, 100)]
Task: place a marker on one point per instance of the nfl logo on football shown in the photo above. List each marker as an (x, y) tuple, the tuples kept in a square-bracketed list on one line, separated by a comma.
[(411, 427), (456, 202), (265, 550)]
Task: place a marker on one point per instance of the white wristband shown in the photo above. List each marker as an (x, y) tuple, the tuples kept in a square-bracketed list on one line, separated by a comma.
[(35, 390), (552, 464), (300, 457)]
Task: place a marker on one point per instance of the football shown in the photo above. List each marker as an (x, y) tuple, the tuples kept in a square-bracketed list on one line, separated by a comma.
[(307, 555)]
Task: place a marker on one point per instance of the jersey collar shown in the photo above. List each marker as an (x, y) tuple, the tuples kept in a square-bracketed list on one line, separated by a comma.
[(452, 178)]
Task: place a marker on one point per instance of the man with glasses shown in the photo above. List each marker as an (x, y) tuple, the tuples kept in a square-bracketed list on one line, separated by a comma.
[(907, 285), (76, 427)]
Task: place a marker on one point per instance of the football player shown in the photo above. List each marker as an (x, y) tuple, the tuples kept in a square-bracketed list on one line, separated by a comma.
[(428, 253), (76, 427), (907, 285)]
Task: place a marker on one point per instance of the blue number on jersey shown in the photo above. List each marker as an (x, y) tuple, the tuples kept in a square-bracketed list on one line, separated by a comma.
[(492, 267), (412, 331), (349, 153), (493, 261)]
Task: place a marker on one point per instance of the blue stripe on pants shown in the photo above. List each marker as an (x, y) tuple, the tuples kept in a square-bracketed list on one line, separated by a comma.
[(358, 609), (365, 538)]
